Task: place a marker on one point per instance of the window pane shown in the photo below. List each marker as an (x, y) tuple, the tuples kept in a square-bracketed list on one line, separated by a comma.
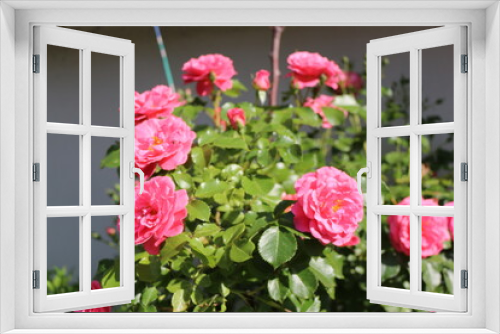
[(395, 268), (395, 173), (437, 254), (63, 85), (105, 171), (63, 255), (437, 84), (105, 252), (105, 90), (63, 170), (437, 168), (395, 91)]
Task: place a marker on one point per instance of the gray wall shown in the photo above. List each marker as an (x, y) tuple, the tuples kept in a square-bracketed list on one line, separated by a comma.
[(249, 48)]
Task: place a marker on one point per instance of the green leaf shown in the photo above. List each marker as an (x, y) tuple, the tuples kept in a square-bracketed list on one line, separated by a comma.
[(172, 246), (241, 251), (323, 271), (111, 278), (390, 266), (233, 233), (276, 246), (183, 181), (112, 158), (258, 186), (430, 275), (177, 284), (235, 143), (198, 157), (210, 188), (180, 300), (336, 260), (236, 89), (346, 100), (277, 290), (311, 305), (149, 270), (149, 295), (291, 154), (334, 116), (147, 308), (205, 230), (198, 209), (303, 284), (308, 117)]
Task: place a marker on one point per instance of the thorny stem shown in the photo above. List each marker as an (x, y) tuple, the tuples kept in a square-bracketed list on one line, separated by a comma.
[(275, 61)]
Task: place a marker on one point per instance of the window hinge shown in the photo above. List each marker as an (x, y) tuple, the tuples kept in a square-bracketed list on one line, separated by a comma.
[(464, 279), (36, 172), (464, 171), (36, 63), (465, 64), (36, 279)]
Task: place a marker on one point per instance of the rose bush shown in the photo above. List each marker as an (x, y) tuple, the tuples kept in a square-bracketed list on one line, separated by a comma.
[(264, 215)]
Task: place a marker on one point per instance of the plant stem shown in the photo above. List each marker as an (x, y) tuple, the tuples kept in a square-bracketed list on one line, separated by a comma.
[(325, 145), (275, 61)]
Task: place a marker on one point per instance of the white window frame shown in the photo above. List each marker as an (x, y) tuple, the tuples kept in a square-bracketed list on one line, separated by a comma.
[(86, 44), (483, 21), (413, 44)]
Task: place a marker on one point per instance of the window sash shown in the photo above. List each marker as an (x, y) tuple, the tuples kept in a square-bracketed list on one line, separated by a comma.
[(413, 43), (86, 43)]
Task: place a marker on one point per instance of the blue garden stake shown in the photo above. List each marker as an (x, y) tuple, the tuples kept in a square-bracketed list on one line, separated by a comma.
[(164, 58)]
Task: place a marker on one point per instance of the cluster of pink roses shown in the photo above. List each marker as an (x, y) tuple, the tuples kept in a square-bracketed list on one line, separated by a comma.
[(435, 230), (164, 140), (161, 139)]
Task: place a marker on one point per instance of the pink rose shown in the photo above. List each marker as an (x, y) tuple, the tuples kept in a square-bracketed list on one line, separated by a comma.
[(159, 213), (434, 231), (261, 81), (451, 222), (95, 285), (309, 68), (236, 117), (351, 81), (207, 71), (329, 206), (317, 105), (165, 142), (159, 102)]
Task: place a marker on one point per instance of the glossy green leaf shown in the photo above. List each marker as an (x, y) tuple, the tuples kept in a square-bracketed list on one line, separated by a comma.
[(205, 230), (112, 158), (291, 154), (149, 295), (231, 143), (323, 271), (210, 188), (277, 290), (303, 284), (277, 246), (334, 116), (198, 209), (241, 251), (257, 186)]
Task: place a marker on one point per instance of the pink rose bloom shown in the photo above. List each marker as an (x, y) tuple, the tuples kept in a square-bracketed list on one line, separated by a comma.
[(159, 102), (329, 206), (207, 71), (236, 117), (317, 105), (434, 231), (159, 213), (166, 142), (451, 221), (95, 285), (352, 81), (308, 68), (261, 81)]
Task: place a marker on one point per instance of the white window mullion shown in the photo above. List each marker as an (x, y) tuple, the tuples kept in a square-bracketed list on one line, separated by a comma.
[(415, 172), (86, 165)]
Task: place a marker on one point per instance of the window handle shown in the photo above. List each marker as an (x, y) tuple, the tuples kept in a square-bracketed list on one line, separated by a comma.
[(139, 171), (362, 171)]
